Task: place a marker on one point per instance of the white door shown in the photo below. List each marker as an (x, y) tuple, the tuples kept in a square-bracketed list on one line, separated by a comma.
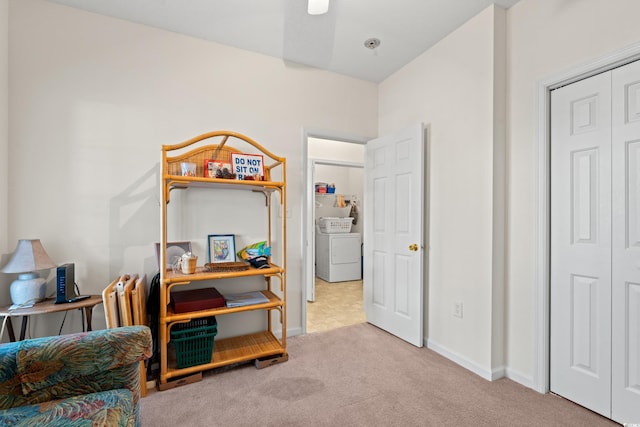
[(625, 402), (393, 233), (581, 242), (595, 243)]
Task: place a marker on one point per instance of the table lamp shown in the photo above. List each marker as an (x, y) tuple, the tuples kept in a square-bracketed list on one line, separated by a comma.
[(28, 258)]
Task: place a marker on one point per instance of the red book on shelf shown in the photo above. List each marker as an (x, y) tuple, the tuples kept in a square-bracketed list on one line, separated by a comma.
[(196, 299)]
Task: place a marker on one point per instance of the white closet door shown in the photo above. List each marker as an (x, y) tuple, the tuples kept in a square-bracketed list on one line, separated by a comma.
[(625, 400), (581, 243)]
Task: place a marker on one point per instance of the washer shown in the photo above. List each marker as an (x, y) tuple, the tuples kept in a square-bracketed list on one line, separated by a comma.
[(338, 256)]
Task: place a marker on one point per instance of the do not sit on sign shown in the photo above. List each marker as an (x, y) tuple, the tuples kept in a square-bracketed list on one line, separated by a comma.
[(248, 165)]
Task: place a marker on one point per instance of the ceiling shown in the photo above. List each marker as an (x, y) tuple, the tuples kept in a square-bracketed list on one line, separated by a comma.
[(283, 29)]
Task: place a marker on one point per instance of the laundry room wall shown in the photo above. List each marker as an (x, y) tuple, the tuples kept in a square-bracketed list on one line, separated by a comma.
[(349, 180), (335, 150), (348, 183)]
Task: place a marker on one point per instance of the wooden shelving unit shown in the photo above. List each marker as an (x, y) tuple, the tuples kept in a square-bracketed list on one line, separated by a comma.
[(242, 348)]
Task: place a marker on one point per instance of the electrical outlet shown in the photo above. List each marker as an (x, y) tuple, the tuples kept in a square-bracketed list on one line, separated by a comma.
[(457, 309)]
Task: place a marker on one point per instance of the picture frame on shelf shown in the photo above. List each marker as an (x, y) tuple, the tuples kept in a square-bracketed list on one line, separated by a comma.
[(174, 251), (248, 166), (222, 248), (188, 169), (217, 169)]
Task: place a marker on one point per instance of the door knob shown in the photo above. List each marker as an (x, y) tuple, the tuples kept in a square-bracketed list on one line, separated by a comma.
[(413, 247)]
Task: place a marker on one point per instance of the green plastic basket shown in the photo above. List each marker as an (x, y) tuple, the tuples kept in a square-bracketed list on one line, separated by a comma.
[(193, 341)]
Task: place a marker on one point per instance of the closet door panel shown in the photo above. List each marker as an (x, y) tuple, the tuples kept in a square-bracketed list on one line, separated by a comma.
[(625, 282), (581, 243)]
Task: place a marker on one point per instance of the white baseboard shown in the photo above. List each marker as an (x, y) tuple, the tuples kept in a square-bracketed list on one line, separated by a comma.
[(498, 373), (464, 362), (492, 375), (520, 378)]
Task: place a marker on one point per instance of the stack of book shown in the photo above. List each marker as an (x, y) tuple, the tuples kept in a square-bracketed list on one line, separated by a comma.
[(245, 298)]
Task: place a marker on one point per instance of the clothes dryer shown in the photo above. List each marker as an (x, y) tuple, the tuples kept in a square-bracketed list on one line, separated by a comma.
[(338, 256)]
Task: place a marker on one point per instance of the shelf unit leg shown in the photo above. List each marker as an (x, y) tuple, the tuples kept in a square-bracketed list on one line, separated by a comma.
[(163, 352)]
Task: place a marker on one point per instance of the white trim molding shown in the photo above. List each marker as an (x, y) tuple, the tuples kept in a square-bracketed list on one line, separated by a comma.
[(519, 377), (494, 374), (307, 234), (489, 375), (541, 309)]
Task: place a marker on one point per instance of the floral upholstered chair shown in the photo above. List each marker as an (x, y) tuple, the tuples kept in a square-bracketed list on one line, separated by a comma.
[(90, 378)]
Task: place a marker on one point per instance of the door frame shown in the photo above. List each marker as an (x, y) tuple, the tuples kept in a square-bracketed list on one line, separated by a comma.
[(308, 232), (542, 282), (311, 214)]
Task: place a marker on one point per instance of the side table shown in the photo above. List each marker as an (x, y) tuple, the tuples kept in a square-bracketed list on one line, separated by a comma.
[(48, 306)]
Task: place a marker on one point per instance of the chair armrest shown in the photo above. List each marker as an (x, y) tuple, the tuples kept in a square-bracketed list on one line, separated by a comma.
[(43, 362)]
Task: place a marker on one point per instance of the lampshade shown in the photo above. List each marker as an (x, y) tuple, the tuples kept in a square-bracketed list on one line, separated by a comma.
[(318, 7), (28, 258)]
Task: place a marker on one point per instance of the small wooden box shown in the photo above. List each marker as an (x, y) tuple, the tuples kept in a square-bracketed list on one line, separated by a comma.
[(271, 360)]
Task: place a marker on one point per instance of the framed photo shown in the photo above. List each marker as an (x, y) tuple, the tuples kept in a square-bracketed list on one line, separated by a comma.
[(174, 251), (217, 169), (222, 248)]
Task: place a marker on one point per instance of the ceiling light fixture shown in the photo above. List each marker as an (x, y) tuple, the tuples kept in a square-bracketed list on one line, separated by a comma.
[(318, 7)]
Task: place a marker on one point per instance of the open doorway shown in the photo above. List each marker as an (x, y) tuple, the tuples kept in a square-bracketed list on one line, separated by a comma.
[(335, 189)]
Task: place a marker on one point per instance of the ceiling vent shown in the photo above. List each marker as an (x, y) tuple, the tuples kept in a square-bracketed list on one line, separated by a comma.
[(371, 43)]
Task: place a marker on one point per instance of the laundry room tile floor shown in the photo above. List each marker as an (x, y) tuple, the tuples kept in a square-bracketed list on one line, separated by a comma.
[(337, 304)]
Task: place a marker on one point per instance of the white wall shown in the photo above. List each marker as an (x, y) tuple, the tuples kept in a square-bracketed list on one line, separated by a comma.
[(336, 175), (451, 89), (335, 150), (93, 101), (4, 144), (545, 38)]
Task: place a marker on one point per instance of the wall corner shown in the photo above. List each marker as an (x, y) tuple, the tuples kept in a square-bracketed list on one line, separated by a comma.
[(4, 125), (500, 187)]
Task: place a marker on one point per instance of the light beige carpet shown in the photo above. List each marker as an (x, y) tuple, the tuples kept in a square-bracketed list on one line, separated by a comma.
[(358, 376)]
